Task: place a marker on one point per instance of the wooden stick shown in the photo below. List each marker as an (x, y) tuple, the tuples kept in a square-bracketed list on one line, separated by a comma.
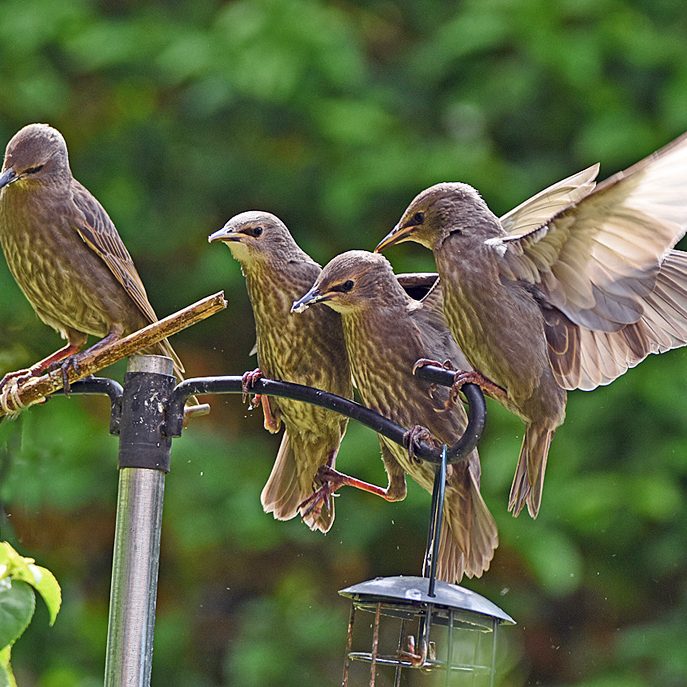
[(17, 395)]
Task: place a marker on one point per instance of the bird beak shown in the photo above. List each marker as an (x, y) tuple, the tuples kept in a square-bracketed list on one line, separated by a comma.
[(398, 234), (313, 296), (7, 177), (225, 235)]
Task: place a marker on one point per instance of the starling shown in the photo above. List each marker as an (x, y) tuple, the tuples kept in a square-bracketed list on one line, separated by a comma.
[(65, 253), (560, 295), (386, 332), (307, 350)]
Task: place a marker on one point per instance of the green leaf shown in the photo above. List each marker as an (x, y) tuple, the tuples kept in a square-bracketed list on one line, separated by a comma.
[(17, 604), (17, 567), (6, 674), (48, 587)]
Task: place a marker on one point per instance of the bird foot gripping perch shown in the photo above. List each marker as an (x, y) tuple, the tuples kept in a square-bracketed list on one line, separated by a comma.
[(271, 423), (19, 393), (463, 377)]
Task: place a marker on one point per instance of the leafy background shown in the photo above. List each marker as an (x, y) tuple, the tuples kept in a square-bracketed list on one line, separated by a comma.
[(333, 115)]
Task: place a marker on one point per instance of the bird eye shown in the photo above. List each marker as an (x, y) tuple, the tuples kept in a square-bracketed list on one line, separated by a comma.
[(256, 231), (418, 218), (347, 285), (33, 170)]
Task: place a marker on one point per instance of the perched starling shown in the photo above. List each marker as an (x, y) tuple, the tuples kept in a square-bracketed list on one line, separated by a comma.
[(65, 253), (307, 350), (386, 332), (567, 291)]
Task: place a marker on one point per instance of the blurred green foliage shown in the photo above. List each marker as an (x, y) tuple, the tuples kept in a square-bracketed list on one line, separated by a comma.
[(333, 115)]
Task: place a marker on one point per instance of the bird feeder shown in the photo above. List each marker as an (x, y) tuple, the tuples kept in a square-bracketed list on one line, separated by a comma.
[(413, 631)]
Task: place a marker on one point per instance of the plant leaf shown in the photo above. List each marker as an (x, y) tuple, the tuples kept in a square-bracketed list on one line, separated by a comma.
[(17, 604)]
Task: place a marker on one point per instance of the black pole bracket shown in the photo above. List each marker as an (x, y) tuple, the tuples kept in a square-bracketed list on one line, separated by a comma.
[(142, 441)]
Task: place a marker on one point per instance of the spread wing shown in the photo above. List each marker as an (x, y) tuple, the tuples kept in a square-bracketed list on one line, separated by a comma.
[(597, 268), (598, 259), (583, 358), (99, 233), (540, 209)]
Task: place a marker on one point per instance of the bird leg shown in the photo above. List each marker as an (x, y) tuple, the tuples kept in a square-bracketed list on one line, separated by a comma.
[(463, 377), (71, 360), (271, 423), (491, 389), (332, 480), (320, 496), (418, 659), (37, 369)]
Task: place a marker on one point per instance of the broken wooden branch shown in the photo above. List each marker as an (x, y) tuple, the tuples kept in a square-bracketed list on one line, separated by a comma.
[(21, 393)]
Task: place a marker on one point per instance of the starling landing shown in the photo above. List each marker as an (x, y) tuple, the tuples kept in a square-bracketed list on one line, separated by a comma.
[(65, 253), (386, 332), (306, 350), (567, 291)]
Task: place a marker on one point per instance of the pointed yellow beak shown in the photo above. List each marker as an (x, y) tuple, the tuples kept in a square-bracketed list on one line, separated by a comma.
[(397, 235), (225, 235), (313, 296)]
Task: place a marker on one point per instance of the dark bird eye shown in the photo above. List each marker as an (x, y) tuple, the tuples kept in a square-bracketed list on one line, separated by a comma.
[(33, 170), (347, 285), (418, 218), (256, 231)]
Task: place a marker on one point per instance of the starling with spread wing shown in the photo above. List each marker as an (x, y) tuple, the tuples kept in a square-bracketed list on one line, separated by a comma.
[(567, 291)]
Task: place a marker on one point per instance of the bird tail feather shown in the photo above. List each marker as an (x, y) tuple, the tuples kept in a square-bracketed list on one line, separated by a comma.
[(288, 487), (166, 349), (528, 482), (469, 536)]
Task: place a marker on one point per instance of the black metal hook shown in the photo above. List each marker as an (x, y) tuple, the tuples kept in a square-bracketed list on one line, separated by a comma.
[(105, 386), (437, 375)]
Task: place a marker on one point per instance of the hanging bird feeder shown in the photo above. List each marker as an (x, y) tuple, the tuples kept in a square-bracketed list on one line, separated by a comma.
[(408, 631)]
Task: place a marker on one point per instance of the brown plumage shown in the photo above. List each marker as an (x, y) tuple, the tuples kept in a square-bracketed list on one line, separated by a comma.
[(306, 350), (64, 251), (567, 291), (386, 332)]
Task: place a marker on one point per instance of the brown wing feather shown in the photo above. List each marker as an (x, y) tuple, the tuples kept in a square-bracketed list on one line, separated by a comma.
[(583, 358), (100, 234), (599, 259), (539, 210)]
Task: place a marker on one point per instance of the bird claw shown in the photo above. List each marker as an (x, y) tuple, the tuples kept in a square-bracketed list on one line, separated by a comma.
[(424, 362), (321, 496), (63, 367), (463, 377), (18, 376), (414, 437), (413, 657), (248, 382)]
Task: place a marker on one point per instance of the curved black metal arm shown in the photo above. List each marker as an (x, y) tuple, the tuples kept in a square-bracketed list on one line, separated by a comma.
[(379, 423), (105, 386)]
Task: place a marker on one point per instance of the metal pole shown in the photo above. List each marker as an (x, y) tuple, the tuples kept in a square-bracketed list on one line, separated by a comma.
[(143, 461)]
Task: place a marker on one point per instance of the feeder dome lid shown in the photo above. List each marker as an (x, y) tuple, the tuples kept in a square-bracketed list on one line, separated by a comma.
[(408, 589)]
